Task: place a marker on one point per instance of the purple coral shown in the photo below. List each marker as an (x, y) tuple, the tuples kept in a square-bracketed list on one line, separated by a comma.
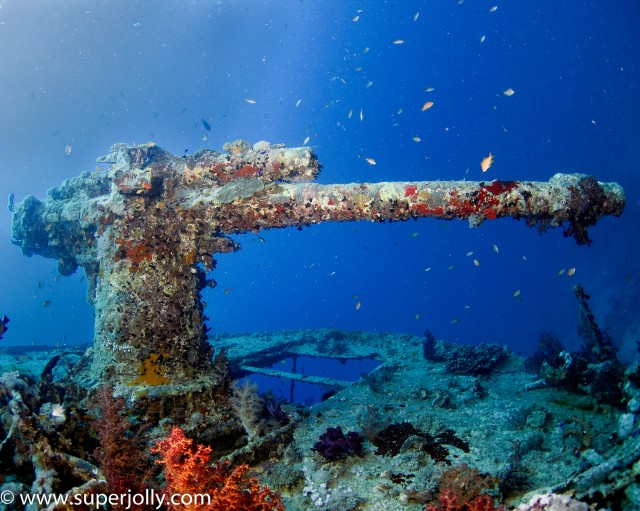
[(334, 445)]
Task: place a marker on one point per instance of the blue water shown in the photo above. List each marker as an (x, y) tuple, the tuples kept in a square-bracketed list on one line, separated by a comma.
[(94, 73)]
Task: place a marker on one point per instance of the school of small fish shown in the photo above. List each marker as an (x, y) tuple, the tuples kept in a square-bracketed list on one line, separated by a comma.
[(485, 164)]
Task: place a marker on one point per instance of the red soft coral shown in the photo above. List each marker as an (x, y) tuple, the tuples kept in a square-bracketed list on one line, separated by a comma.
[(188, 471), (450, 501)]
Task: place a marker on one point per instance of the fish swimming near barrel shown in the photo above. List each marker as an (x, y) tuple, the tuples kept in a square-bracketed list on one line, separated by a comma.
[(10, 204)]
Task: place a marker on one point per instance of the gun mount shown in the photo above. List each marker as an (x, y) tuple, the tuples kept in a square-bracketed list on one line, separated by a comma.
[(147, 230)]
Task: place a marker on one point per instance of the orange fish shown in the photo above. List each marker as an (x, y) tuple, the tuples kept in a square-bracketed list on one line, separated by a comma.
[(486, 163), (427, 105)]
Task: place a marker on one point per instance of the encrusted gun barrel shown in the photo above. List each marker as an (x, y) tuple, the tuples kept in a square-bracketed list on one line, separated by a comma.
[(146, 232), (575, 199)]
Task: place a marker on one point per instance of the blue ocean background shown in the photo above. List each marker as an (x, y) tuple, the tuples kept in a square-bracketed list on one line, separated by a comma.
[(89, 74)]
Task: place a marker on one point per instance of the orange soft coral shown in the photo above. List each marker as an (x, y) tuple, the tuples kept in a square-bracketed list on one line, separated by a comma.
[(188, 471)]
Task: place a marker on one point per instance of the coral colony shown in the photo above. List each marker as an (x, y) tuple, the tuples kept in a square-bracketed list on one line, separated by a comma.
[(146, 232)]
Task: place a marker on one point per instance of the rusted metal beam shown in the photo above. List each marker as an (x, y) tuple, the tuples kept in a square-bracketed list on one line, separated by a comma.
[(146, 232), (306, 378)]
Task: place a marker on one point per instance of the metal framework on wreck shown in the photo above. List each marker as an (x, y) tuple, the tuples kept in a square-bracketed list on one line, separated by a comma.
[(146, 232)]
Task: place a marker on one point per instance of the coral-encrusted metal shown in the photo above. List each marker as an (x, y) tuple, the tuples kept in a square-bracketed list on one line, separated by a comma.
[(146, 232)]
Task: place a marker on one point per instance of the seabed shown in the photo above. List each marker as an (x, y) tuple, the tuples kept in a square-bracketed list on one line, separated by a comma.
[(520, 439)]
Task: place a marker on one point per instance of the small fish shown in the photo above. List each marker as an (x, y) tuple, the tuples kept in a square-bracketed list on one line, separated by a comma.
[(358, 69), (476, 262), (516, 293), (250, 101), (482, 38), (370, 161), (451, 267), (398, 41), (415, 234), (67, 150), (416, 16), (495, 248), (39, 284), (429, 89), (261, 239), (400, 110), (57, 411), (298, 102), (426, 106), (355, 18), (227, 291), (470, 253), (366, 49), (454, 321), (369, 84), (508, 92), (350, 114), (416, 317), (358, 305), (305, 141), (493, 9), (355, 297), (46, 303), (561, 272), (10, 204), (416, 139), (571, 272), (206, 125), (204, 138), (361, 115), (3, 325), (428, 268), (486, 163)]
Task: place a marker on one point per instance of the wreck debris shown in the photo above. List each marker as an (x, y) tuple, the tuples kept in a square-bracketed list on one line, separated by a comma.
[(147, 231)]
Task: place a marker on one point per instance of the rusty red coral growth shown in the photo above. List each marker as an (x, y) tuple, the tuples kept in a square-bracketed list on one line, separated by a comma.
[(450, 501), (188, 471), (410, 190), (135, 253)]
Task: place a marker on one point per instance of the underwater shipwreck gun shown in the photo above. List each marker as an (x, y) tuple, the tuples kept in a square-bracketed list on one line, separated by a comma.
[(146, 232)]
